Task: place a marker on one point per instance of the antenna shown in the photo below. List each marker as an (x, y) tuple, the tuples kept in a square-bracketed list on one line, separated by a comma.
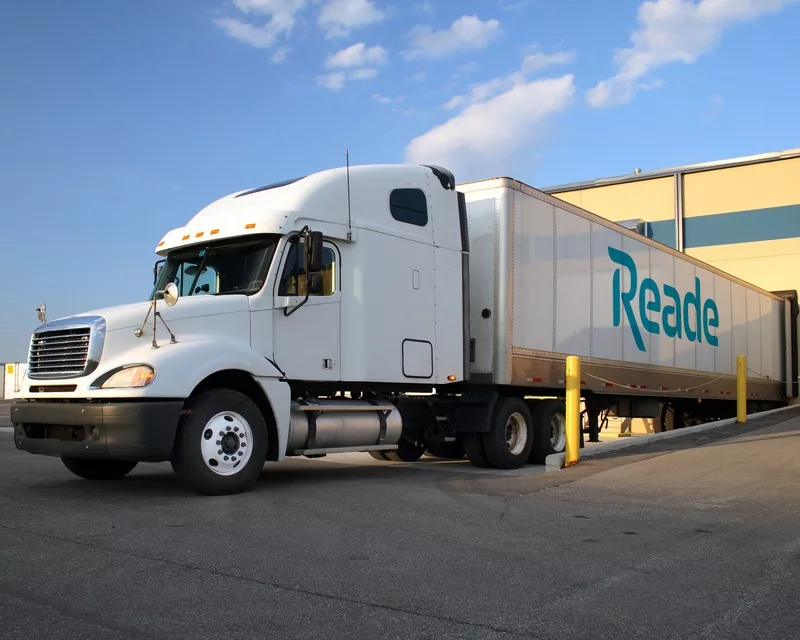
[(349, 220)]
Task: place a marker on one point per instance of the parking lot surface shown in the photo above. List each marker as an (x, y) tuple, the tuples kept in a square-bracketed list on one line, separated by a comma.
[(691, 538)]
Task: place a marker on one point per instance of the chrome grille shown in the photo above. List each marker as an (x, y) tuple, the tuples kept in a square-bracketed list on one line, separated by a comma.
[(59, 353)]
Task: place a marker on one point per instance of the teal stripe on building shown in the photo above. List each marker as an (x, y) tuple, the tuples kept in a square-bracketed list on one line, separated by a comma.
[(755, 225)]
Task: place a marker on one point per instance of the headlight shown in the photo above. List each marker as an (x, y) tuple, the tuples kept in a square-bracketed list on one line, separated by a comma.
[(132, 377)]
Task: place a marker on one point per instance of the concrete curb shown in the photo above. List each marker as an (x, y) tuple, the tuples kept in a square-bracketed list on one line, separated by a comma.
[(555, 462)]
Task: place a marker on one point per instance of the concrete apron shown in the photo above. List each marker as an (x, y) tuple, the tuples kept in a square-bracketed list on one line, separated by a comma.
[(555, 462)]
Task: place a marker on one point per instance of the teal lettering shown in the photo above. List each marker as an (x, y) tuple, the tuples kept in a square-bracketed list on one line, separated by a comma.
[(624, 299), (661, 308), (649, 285), (710, 307), (692, 299), (672, 330)]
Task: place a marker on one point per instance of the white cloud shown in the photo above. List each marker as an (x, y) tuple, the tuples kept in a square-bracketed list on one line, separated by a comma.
[(530, 64), (513, 6), (487, 133), (715, 104), (269, 7), (339, 17), (362, 74), (377, 97), (357, 55), (425, 7), (454, 103), (417, 77), (539, 61), (281, 14), (281, 55), (673, 31), (465, 34), (335, 80)]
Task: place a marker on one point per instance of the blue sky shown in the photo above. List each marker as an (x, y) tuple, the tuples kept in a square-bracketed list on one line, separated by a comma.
[(120, 120)]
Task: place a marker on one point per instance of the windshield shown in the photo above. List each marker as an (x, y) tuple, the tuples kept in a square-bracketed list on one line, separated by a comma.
[(219, 269)]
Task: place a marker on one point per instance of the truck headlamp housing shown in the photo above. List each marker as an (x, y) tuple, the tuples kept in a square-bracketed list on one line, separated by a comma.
[(134, 376)]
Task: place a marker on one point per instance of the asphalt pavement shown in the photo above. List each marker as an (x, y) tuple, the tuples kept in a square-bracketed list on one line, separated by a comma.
[(696, 537)]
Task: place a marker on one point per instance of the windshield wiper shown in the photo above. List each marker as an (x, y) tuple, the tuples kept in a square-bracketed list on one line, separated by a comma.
[(206, 251)]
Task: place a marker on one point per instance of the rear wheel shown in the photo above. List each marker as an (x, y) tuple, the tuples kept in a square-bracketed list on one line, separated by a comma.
[(550, 429), (222, 443), (407, 451), (92, 469), (379, 455), (447, 450), (508, 443)]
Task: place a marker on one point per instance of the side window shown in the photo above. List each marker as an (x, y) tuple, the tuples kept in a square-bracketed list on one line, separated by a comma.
[(409, 206), (206, 282), (293, 281)]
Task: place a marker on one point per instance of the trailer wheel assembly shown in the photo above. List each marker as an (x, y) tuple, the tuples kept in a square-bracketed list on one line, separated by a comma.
[(91, 469), (221, 444), (550, 429), (508, 443)]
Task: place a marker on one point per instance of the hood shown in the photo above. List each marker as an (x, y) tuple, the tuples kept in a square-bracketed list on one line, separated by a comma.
[(127, 316)]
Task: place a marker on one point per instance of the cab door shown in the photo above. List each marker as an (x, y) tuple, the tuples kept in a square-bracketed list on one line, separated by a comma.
[(307, 331)]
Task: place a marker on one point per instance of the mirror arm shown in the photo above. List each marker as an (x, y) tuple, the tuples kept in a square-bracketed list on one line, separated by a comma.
[(287, 312)]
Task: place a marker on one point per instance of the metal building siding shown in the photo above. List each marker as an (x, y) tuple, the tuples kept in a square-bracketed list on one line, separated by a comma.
[(651, 200), (754, 187)]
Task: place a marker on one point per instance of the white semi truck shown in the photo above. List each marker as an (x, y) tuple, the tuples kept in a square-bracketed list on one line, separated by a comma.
[(385, 309)]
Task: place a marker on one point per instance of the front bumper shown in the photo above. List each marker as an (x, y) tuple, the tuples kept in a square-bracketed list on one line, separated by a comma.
[(142, 431)]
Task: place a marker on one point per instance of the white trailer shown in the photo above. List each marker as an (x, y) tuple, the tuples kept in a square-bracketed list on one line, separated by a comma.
[(14, 372), (383, 309)]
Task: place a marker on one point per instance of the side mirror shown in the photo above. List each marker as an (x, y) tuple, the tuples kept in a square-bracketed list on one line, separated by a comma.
[(315, 284), (313, 249), (171, 295)]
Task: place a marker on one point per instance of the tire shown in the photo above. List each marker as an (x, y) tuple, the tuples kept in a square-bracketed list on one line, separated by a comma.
[(93, 469), (231, 421), (379, 455), (407, 451), (473, 445), (447, 450), (508, 444), (549, 429)]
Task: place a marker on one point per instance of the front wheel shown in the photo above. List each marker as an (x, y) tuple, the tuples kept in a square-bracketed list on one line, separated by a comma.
[(91, 469), (222, 443)]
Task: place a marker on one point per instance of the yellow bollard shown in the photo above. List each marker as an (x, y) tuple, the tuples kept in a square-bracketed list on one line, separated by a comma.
[(741, 389), (573, 448)]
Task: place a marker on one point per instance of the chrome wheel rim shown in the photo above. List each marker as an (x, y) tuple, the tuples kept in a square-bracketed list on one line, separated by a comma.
[(558, 432), (516, 434), (226, 443)]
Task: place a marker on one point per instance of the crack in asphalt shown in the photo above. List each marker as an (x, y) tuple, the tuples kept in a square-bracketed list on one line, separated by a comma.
[(274, 585)]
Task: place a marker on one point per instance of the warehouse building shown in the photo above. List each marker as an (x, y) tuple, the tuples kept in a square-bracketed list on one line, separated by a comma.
[(740, 215)]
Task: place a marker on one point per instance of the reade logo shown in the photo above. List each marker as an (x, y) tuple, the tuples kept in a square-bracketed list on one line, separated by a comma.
[(673, 314)]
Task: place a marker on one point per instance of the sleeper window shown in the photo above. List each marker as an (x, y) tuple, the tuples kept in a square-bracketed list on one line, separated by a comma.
[(409, 206)]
